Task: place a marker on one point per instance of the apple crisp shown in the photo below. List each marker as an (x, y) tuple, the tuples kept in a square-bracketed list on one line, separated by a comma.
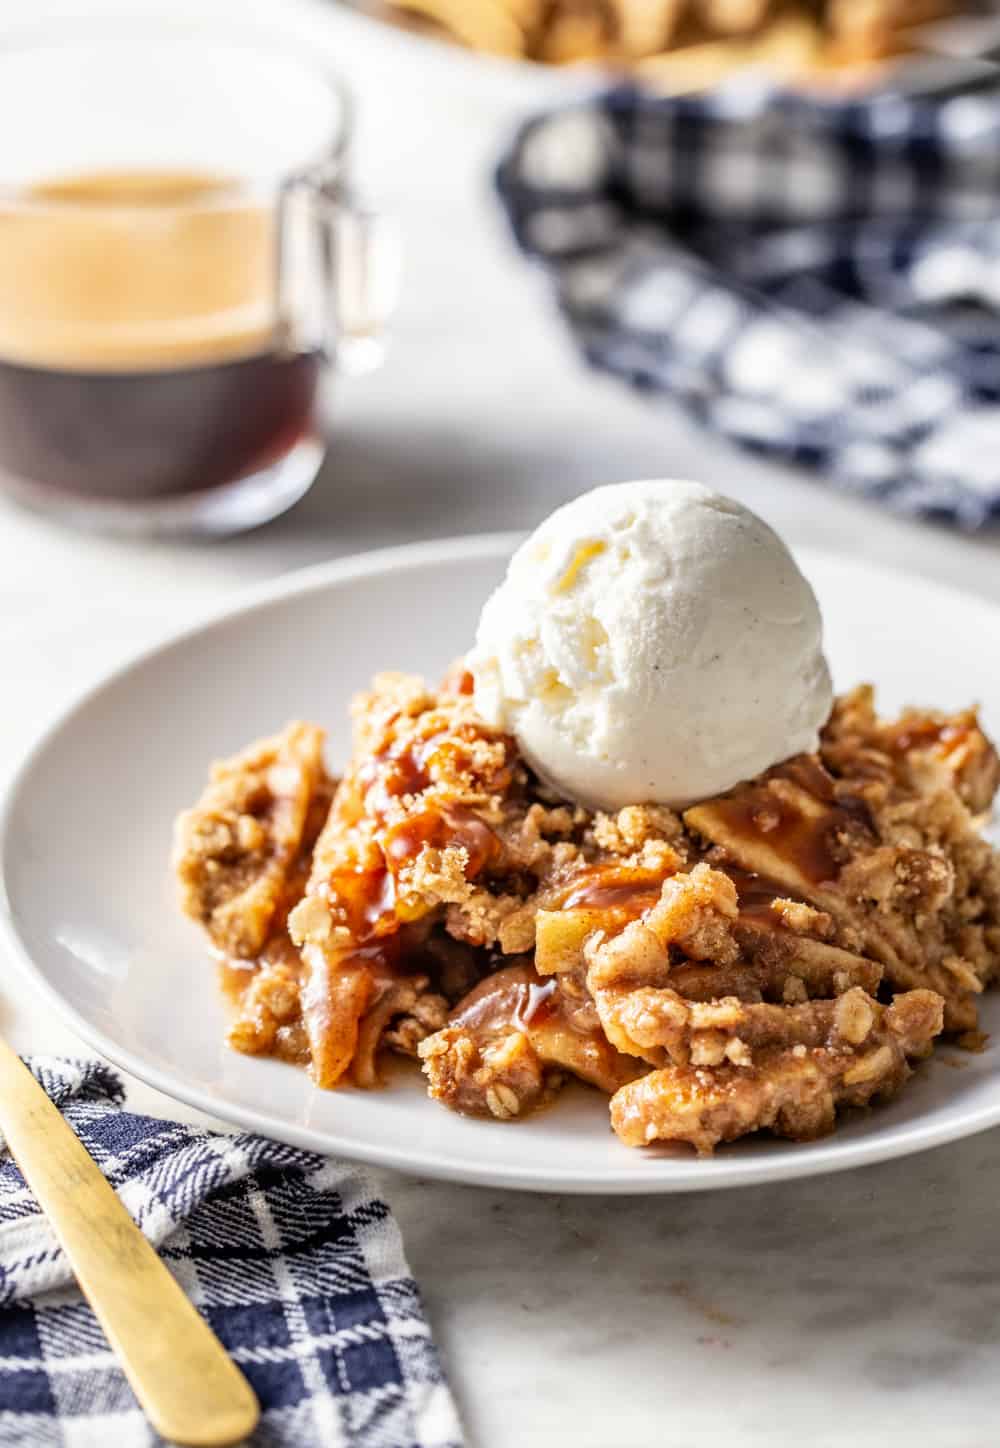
[(775, 954)]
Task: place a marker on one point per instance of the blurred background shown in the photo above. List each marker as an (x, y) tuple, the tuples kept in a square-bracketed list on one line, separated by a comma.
[(484, 413)]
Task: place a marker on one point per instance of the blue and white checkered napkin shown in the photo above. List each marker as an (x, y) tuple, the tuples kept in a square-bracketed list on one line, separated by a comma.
[(817, 280), (298, 1267)]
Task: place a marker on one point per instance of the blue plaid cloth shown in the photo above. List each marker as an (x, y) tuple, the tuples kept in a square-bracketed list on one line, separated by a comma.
[(818, 281), (298, 1267)]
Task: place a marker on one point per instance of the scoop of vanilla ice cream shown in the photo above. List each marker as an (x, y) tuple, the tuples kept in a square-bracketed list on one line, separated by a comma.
[(652, 642)]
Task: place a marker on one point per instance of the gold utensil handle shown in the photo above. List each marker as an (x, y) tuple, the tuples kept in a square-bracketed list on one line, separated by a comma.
[(189, 1388)]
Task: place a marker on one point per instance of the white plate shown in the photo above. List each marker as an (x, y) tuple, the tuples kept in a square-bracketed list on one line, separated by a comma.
[(90, 910)]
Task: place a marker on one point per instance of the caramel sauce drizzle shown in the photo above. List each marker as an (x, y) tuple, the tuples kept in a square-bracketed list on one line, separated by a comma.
[(452, 825), (514, 995), (603, 890), (926, 733), (755, 813)]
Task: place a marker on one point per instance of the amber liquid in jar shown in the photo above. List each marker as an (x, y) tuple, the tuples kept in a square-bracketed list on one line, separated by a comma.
[(138, 349)]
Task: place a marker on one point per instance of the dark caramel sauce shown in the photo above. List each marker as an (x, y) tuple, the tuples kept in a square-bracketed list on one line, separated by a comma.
[(379, 898), (439, 828), (538, 1006), (806, 771), (368, 898), (441, 751), (756, 893), (412, 767), (449, 755), (926, 733), (562, 1031), (755, 813), (387, 777), (791, 834), (458, 680), (604, 889), (635, 896), (397, 956), (498, 1001), (613, 886)]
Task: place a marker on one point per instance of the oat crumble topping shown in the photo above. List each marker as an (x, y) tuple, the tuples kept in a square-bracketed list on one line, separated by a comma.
[(776, 954)]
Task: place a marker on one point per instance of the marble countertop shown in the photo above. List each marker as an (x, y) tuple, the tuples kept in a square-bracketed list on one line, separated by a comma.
[(863, 1308)]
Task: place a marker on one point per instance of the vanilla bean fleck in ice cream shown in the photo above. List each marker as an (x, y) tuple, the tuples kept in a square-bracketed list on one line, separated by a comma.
[(652, 641)]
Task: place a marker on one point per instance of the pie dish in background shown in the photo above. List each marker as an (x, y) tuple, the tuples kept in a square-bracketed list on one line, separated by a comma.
[(685, 45)]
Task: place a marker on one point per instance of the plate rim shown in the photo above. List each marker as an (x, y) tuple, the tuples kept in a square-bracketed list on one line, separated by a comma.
[(686, 1174)]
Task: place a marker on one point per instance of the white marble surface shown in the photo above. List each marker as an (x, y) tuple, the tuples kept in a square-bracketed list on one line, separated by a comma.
[(864, 1308)]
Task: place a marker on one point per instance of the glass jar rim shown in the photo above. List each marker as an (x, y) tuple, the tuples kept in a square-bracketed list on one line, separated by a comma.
[(55, 35)]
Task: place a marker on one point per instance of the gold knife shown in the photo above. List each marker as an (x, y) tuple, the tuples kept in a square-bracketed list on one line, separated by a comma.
[(189, 1388)]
